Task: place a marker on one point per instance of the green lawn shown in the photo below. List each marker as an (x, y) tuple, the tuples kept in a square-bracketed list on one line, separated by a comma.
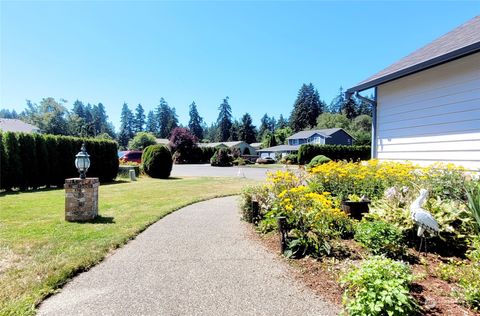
[(39, 251)]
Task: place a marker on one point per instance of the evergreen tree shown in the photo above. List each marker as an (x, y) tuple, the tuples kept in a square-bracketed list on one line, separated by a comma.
[(337, 102), (139, 120), (234, 131), (99, 119), (349, 108), (163, 118), (264, 124), (5, 113), (152, 123), (246, 131), (79, 109), (281, 123), (363, 107), (172, 121), (195, 122), (224, 121), (89, 122), (306, 109), (126, 126), (210, 132)]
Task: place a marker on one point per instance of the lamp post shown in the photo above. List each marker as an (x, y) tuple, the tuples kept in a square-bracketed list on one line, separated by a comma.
[(81, 194), (82, 161)]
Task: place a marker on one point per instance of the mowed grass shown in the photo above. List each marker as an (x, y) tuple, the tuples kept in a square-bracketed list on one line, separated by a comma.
[(40, 251)]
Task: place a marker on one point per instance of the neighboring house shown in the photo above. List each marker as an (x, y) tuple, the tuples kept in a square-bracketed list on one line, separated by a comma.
[(241, 145), (14, 125), (280, 150), (328, 136), (427, 105)]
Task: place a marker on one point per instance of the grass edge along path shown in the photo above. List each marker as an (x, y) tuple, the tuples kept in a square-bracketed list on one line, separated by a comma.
[(40, 252)]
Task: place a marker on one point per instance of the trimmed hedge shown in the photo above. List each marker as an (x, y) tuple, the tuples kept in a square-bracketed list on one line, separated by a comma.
[(335, 152), (30, 161), (157, 161)]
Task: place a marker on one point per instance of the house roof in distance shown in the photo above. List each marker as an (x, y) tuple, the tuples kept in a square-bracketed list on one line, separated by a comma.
[(14, 125), (462, 41), (326, 132), (226, 144), (280, 148)]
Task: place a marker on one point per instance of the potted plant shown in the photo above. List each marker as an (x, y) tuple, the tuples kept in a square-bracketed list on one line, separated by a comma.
[(355, 206)]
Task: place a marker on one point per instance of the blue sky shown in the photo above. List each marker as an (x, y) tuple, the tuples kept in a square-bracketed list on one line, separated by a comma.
[(257, 53)]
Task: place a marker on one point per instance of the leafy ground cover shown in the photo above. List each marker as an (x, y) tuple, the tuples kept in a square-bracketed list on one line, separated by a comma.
[(345, 248), (39, 251)]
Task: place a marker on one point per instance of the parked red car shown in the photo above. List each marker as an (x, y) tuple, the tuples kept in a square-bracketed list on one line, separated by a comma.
[(131, 156)]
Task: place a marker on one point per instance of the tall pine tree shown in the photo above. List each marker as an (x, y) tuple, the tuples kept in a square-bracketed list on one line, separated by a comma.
[(195, 122), (163, 118), (152, 126), (126, 126), (139, 121), (246, 131), (306, 109), (224, 121), (281, 123)]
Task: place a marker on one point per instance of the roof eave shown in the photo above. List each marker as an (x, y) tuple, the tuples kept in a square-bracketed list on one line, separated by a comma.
[(462, 52)]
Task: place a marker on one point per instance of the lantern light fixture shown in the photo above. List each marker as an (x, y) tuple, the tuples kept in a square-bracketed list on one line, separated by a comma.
[(82, 161)]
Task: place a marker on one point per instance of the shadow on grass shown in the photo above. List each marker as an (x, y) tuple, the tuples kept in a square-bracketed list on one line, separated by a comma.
[(100, 220)]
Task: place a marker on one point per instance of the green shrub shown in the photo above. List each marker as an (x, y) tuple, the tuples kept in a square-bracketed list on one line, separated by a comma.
[(290, 159), (221, 158), (470, 286), (141, 140), (157, 161), (239, 162), (473, 195), (379, 286), (318, 160), (335, 152), (246, 198), (380, 237)]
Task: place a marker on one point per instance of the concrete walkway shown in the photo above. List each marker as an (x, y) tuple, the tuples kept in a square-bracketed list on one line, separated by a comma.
[(196, 261)]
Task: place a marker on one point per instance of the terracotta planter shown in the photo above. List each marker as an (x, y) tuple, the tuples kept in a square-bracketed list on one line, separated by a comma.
[(355, 209)]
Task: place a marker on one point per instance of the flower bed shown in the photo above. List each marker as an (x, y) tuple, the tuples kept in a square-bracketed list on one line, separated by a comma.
[(317, 227)]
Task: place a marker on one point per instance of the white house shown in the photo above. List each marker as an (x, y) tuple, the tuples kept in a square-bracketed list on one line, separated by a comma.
[(426, 106)]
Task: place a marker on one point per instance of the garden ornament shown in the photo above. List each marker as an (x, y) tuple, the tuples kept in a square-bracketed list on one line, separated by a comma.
[(423, 218)]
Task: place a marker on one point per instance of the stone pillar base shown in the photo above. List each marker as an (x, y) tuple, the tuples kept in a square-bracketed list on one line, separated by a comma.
[(81, 199)]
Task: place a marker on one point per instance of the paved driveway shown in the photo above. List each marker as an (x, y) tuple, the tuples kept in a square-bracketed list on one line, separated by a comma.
[(209, 171)]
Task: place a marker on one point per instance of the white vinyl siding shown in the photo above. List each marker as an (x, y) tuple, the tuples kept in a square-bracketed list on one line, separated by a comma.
[(433, 115)]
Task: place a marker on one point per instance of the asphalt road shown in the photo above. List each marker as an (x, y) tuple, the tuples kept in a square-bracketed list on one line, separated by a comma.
[(196, 261), (205, 170)]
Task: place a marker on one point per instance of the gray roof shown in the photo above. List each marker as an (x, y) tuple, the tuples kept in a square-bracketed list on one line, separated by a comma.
[(227, 144), (462, 41), (326, 132), (280, 148), (14, 125)]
